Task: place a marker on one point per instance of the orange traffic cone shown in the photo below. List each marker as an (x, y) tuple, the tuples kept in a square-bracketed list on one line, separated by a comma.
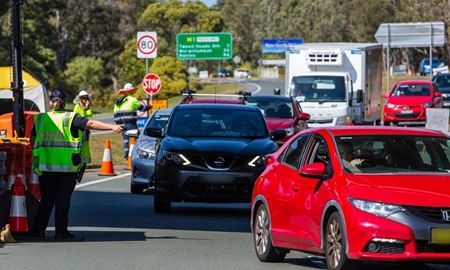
[(131, 146), (18, 211), (33, 186), (107, 168)]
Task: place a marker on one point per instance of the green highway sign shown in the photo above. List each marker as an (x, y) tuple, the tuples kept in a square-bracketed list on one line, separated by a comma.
[(204, 46)]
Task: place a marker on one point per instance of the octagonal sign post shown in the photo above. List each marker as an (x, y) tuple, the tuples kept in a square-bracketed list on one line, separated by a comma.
[(151, 84)]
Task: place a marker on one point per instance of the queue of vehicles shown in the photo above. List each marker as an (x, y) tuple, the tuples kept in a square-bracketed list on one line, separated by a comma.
[(351, 194)]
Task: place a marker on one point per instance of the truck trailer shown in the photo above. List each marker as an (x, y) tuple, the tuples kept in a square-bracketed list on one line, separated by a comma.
[(336, 83)]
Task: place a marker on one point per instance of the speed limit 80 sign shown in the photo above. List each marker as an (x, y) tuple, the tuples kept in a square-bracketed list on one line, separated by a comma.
[(146, 45)]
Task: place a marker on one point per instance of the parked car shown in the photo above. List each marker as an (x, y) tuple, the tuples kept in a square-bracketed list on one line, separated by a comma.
[(408, 101), (442, 81), (281, 112), (355, 194), (424, 66), (224, 73), (241, 73), (143, 154), (210, 153)]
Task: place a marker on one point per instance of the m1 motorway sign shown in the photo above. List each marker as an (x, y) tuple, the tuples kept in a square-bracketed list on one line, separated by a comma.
[(204, 46), (146, 45), (151, 83)]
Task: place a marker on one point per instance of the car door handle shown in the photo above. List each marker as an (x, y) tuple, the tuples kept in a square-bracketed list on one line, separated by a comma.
[(295, 187)]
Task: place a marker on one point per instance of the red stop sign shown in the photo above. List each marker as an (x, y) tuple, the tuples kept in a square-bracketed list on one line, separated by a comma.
[(151, 83)]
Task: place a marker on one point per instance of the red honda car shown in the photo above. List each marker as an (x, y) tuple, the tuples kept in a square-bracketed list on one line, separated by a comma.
[(408, 101), (356, 194), (281, 112)]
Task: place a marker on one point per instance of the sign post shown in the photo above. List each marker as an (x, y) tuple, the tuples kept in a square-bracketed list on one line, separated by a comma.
[(147, 48), (151, 85)]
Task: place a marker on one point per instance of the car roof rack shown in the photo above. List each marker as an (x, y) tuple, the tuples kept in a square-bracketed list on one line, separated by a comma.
[(189, 94)]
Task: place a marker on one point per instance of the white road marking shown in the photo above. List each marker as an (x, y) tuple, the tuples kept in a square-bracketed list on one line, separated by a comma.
[(258, 88), (102, 180)]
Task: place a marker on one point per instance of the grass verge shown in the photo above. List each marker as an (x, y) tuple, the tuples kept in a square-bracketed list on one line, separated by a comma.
[(97, 146)]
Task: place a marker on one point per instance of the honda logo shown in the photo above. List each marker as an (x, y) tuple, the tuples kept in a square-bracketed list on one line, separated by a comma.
[(446, 215)]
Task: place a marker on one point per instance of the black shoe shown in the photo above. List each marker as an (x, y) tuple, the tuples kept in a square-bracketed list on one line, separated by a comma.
[(36, 234), (67, 236)]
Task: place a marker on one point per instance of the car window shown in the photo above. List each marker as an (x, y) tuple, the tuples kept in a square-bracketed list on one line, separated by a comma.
[(319, 152), (229, 123), (293, 153), (158, 121), (407, 90), (442, 81), (397, 154), (273, 108)]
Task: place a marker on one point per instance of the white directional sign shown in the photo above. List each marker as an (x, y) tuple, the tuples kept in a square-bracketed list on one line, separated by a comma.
[(146, 45)]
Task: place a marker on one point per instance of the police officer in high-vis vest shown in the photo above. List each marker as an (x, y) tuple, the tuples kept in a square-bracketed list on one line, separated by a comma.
[(125, 112), (60, 154)]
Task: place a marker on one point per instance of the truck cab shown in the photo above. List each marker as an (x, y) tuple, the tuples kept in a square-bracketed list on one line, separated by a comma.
[(336, 83)]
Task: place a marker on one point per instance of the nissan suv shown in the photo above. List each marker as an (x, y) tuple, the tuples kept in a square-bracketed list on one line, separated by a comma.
[(210, 153)]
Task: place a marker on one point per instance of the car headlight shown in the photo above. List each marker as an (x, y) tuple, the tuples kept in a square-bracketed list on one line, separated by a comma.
[(376, 208), (427, 104), (289, 131), (390, 106), (256, 161), (342, 120), (176, 157), (145, 153)]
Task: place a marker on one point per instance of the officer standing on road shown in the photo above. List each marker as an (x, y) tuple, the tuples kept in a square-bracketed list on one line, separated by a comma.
[(59, 160), (82, 108), (125, 112)]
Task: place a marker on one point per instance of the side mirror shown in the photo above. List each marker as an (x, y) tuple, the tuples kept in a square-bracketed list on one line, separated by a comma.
[(359, 95), (154, 132), (277, 91), (132, 133), (437, 94), (385, 95), (305, 116), (278, 134), (314, 170)]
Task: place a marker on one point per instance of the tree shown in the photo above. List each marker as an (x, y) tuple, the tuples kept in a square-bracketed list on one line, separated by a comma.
[(172, 73), (84, 73)]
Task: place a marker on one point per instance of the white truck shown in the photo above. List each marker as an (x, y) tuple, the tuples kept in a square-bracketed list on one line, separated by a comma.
[(336, 83)]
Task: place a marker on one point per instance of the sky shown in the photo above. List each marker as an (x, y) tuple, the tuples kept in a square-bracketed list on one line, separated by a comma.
[(207, 2)]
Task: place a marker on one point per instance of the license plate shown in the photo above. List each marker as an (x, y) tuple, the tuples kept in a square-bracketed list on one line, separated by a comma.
[(406, 112), (440, 236)]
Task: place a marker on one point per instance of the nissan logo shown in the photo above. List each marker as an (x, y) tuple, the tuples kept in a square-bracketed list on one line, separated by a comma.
[(446, 215), (219, 161)]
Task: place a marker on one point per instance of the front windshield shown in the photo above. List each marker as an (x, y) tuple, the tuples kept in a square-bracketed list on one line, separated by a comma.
[(318, 88), (217, 123), (158, 121), (273, 108), (411, 90), (443, 81), (394, 154)]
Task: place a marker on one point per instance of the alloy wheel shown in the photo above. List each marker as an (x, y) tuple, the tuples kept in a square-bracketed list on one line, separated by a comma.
[(334, 243), (262, 231)]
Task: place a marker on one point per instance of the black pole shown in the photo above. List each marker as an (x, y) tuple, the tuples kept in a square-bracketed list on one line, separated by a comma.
[(16, 56)]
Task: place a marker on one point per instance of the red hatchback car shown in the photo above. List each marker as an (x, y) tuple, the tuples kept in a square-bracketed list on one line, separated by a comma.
[(408, 101), (356, 194)]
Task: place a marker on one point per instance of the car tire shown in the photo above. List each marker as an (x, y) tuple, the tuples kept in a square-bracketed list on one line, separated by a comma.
[(262, 238), (161, 203), (136, 189), (336, 245)]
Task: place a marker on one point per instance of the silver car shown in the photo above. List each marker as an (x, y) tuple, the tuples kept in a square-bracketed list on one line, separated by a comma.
[(143, 154)]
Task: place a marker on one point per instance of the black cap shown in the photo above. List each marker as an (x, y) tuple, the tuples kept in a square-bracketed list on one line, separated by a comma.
[(57, 94)]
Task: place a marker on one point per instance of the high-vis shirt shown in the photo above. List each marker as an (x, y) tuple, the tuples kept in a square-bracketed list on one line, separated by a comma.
[(55, 148), (125, 110), (82, 112)]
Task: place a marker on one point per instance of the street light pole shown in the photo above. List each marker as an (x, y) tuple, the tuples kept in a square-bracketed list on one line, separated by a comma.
[(16, 57)]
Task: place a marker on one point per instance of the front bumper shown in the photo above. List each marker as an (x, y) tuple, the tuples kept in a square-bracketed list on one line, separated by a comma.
[(403, 236), (142, 171), (399, 114), (180, 184)]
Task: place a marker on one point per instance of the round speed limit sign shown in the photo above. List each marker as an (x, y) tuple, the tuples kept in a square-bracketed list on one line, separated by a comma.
[(146, 45)]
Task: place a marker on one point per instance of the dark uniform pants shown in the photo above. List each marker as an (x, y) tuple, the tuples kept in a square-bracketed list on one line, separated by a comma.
[(56, 190)]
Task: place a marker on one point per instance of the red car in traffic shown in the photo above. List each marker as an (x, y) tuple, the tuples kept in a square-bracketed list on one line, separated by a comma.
[(281, 112), (408, 101), (356, 194)]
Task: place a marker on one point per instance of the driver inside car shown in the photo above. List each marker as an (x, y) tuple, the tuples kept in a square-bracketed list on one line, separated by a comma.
[(346, 152)]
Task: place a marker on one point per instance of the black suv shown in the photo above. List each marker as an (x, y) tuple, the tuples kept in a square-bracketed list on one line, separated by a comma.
[(210, 153)]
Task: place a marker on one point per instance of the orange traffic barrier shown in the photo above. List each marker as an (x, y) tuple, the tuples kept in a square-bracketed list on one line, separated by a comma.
[(131, 146), (11, 177), (18, 211), (107, 168), (33, 186)]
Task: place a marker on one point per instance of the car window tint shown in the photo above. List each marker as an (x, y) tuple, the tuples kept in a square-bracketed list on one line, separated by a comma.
[(407, 90), (274, 108), (319, 152), (294, 151)]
